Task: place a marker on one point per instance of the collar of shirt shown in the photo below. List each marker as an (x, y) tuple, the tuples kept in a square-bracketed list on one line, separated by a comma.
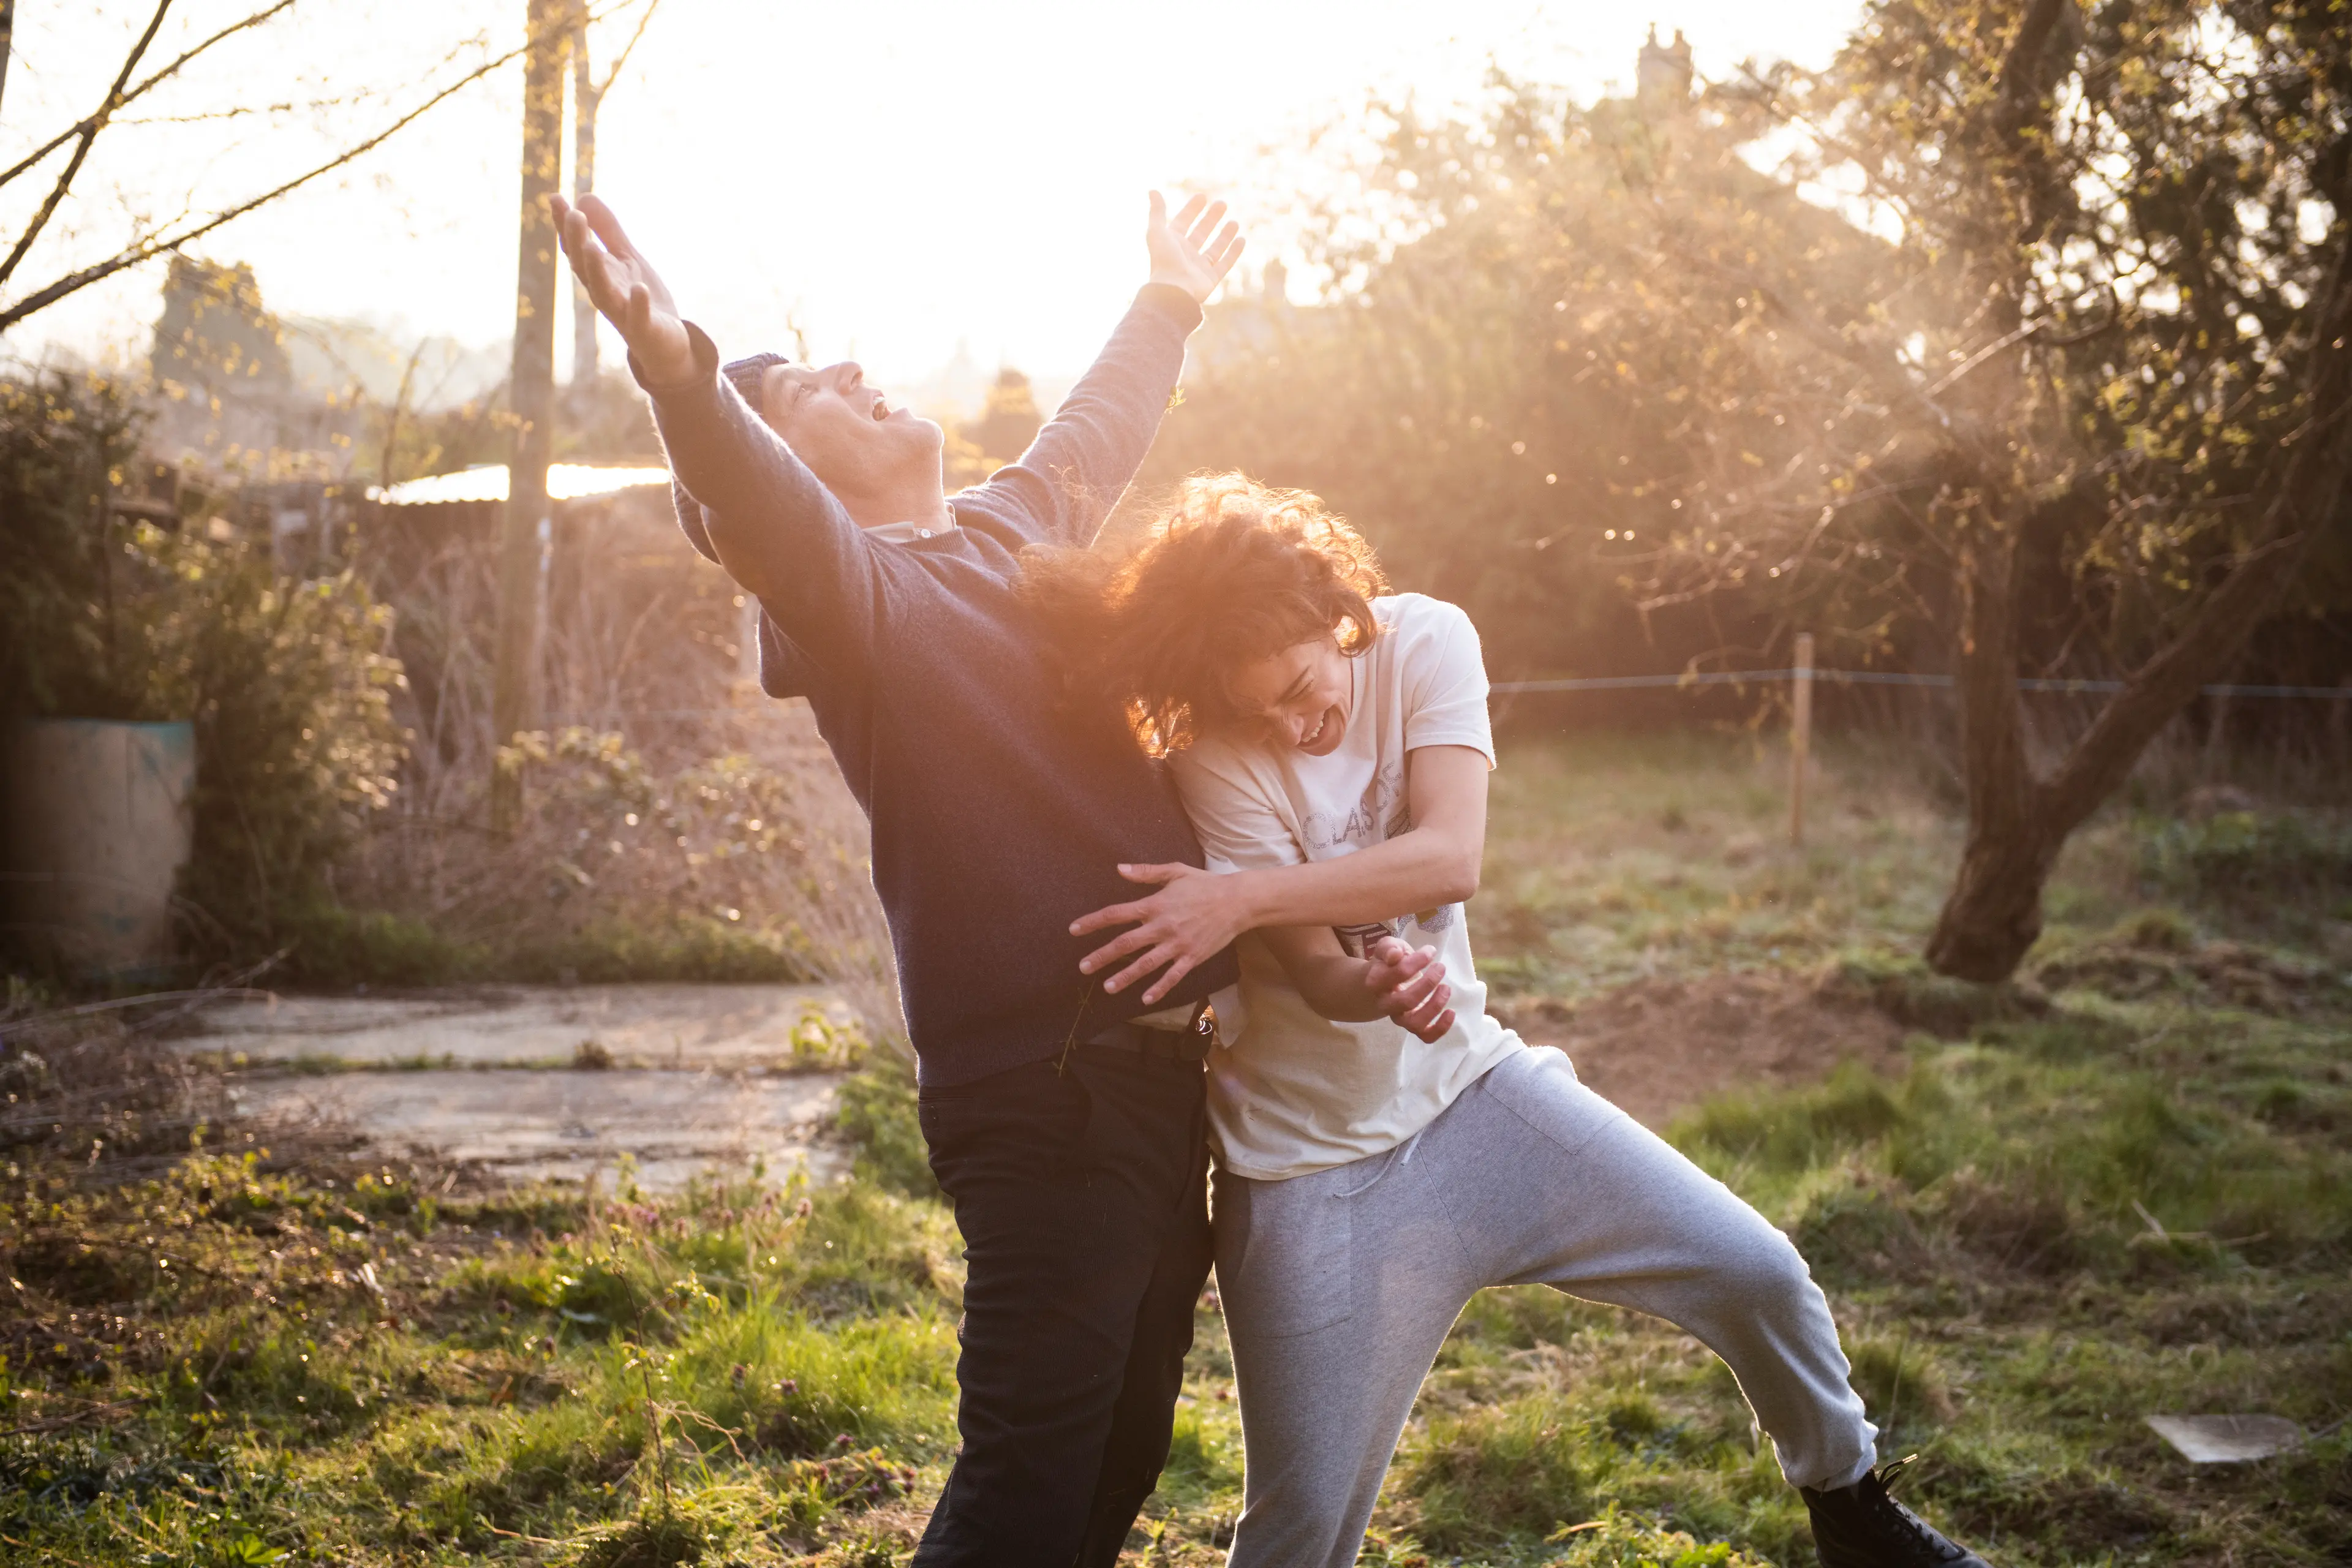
[(909, 532)]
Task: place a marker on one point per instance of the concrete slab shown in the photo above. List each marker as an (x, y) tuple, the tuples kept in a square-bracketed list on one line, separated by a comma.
[(548, 1123), (675, 1027)]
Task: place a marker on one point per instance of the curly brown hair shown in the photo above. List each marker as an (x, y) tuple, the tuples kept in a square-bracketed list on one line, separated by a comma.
[(1229, 571)]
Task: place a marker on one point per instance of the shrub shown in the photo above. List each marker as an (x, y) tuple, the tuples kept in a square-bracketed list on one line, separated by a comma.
[(289, 683)]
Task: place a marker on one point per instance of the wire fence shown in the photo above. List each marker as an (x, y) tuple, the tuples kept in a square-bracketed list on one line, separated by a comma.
[(1873, 678), (1632, 683)]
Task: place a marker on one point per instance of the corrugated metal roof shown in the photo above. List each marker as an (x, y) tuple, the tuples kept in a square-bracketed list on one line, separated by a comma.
[(488, 481)]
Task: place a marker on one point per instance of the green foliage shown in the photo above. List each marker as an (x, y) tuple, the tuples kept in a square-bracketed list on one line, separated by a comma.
[(878, 1114), (290, 685), (63, 442)]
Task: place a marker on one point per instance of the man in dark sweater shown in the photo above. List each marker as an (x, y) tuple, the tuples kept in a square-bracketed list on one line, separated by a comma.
[(1067, 1135)]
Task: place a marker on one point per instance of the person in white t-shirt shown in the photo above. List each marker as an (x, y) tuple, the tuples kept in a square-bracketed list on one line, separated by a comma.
[(1385, 1147)]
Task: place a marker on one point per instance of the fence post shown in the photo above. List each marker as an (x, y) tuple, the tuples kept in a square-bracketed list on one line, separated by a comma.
[(1800, 735)]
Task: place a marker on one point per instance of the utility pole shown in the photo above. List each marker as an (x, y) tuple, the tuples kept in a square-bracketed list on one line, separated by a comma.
[(587, 102), (525, 532)]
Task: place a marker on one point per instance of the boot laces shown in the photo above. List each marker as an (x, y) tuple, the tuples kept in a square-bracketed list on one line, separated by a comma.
[(1881, 1501)]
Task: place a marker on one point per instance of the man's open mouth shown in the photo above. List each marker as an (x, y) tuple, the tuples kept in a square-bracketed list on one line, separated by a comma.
[(881, 408), (1316, 734)]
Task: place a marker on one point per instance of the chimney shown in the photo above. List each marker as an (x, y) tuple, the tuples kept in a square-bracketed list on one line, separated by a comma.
[(1662, 74)]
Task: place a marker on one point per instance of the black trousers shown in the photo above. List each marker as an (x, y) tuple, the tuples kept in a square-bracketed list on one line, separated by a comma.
[(1080, 1188)]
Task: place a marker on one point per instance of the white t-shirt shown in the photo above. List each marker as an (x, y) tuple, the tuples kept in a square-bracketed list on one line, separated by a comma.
[(1289, 1090)]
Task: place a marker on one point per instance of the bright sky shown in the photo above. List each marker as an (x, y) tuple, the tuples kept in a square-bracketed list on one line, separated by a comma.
[(899, 178)]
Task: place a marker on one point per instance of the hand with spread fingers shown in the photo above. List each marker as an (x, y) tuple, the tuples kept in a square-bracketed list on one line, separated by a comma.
[(1193, 916), (1409, 983), (624, 287), (1191, 251)]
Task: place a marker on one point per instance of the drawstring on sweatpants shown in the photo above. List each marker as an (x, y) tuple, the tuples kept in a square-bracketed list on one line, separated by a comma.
[(1400, 1155)]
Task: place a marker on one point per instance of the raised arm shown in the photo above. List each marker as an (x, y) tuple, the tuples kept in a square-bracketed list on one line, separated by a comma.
[(1080, 464), (742, 496)]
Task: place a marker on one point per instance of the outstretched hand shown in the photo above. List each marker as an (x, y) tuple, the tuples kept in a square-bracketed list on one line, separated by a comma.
[(1409, 983), (624, 287), (1192, 252), (1193, 916)]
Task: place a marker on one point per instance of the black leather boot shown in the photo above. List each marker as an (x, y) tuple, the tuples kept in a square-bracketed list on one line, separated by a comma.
[(1861, 1526)]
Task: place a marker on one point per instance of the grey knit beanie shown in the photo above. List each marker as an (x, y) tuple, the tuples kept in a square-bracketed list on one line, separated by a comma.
[(746, 374)]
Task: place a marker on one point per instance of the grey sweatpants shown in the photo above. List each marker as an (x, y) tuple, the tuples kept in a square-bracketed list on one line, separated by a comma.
[(1339, 1287)]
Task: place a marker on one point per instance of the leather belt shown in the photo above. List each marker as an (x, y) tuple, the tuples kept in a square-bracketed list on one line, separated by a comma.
[(1186, 1045)]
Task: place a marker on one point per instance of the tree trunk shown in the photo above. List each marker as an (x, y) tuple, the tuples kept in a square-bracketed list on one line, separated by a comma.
[(586, 99), (523, 532), (1992, 916), (1993, 912)]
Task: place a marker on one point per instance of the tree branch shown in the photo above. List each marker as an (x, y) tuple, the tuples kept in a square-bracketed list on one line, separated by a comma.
[(2105, 756), (92, 124), (1886, 376), (2307, 497), (90, 130), (2024, 75), (145, 249), (644, 18)]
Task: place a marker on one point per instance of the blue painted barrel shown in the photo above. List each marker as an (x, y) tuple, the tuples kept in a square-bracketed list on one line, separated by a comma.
[(96, 822)]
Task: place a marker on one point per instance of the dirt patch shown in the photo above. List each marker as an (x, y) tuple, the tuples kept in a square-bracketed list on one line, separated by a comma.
[(1659, 1046)]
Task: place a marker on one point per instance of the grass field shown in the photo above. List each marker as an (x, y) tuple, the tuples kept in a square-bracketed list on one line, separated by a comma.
[(2123, 1187)]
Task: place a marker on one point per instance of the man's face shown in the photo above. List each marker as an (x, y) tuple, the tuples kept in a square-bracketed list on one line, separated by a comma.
[(849, 434)]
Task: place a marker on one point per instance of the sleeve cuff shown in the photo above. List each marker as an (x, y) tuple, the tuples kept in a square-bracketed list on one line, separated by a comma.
[(706, 366), (1171, 302)]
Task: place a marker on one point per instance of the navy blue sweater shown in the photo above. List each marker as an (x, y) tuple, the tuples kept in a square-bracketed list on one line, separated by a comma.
[(999, 814)]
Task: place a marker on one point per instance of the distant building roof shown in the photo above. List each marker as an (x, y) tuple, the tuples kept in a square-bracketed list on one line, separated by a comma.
[(488, 481)]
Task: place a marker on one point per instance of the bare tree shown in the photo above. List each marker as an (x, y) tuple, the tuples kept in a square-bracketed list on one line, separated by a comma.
[(149, 239)]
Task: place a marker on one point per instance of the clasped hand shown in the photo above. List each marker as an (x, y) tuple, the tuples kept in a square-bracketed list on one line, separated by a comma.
[(1197, 913)]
